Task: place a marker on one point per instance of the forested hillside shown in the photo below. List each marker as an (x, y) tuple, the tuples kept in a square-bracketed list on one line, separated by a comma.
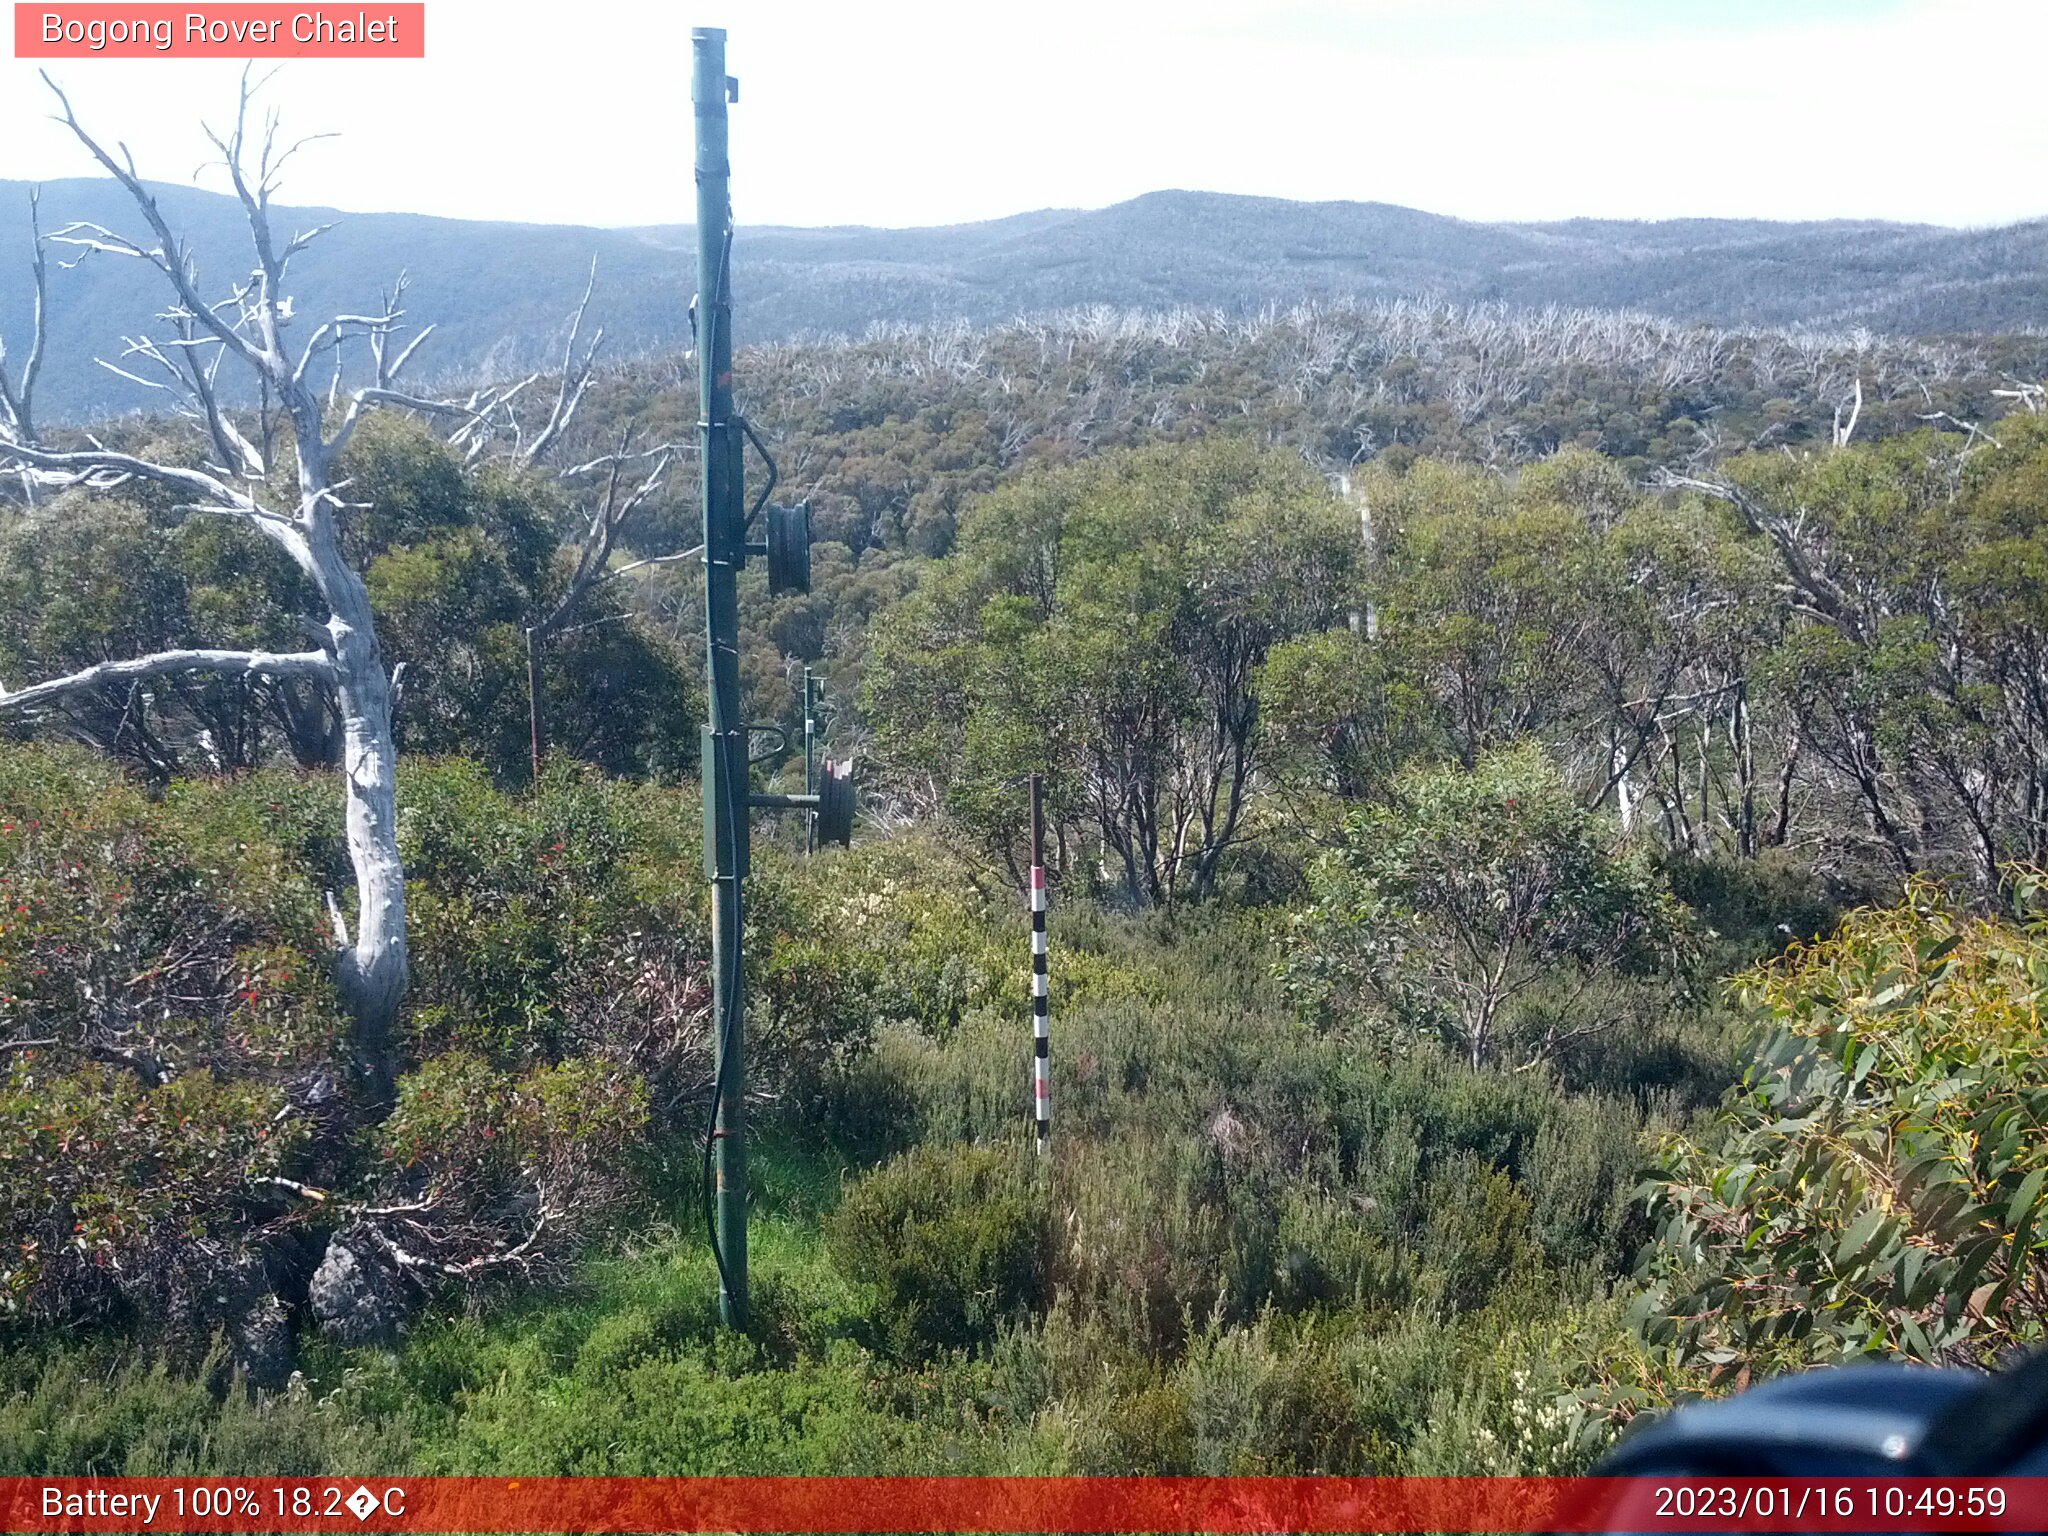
[(1486, 750), (497, 290)]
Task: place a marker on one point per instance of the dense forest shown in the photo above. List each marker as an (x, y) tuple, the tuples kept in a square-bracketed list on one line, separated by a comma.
[(1487, 752)]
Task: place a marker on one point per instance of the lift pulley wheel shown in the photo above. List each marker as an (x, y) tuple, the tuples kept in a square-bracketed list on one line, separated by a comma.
[(836, 797), (789, 548)]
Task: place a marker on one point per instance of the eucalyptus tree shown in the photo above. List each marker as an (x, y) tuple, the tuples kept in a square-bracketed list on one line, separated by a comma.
[(1106, 626), (1915, 655), (1485, 598), (1486, 910)]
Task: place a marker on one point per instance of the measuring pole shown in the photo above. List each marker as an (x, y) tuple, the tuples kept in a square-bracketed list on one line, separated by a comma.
[(533, 733), (810, 762), (1041, 1002), (724, 751)]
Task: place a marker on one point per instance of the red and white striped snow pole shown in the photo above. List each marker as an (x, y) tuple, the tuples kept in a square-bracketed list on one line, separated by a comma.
[(1041, 1001)]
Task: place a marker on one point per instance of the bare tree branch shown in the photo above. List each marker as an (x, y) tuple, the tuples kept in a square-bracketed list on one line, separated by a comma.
[(255, 202), (594, 550), (1820, 591), (101, 469), (17, 398), (1969, 427), (313, 664), (2028, 394), (637, 565), (372, 395), (171, 257), (576, 376)]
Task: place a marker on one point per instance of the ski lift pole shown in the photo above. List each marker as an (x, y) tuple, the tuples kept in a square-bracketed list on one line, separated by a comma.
[(724, 753), (1041, 1001)]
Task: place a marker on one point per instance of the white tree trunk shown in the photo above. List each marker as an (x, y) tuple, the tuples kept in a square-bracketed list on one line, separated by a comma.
[(1625, 796), (373, 970)]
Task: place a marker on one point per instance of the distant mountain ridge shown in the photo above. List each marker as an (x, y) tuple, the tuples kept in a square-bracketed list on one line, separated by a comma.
[(499, 293)]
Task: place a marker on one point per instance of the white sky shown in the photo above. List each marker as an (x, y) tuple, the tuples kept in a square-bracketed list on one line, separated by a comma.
[(890, 112)]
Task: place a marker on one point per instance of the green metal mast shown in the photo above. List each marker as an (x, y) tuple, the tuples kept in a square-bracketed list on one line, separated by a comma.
[(724, 752), (830, 800)]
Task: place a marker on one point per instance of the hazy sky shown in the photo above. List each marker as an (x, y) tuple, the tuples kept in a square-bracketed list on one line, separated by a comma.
[(577, 111)]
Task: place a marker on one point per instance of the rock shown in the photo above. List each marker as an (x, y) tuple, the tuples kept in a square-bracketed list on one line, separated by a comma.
[(262, 1338), (357, 1295)]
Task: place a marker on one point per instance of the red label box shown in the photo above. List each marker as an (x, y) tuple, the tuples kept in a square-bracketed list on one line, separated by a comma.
[(377, 30), (1247, 1506)]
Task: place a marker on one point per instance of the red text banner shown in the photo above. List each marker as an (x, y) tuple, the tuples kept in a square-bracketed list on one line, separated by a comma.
[(225, 31), (1104, 1504)]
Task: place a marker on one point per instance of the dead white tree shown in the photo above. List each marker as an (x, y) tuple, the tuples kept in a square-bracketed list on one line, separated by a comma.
[(18, 394), (577, 372), (2024, 393), (1813, 590), (1845, 419), (245, 332)]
